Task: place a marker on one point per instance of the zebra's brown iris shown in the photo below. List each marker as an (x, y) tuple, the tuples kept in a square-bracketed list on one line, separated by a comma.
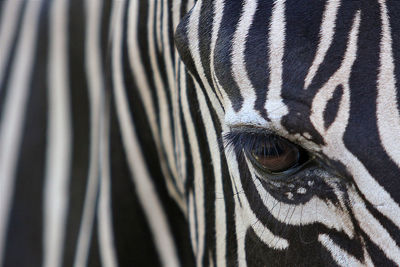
[(277, 155)]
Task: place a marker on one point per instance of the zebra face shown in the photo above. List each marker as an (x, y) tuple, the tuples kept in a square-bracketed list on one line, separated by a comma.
[(310, 124)]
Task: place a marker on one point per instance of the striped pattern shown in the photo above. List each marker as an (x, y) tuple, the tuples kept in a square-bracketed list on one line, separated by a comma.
[(66, 195), (312, 73), (113, 141)]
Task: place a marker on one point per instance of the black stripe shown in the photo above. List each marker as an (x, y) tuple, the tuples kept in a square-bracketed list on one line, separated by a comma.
[(1, 9), (189, 185), (171, 31), (79, 104), (208, 173), (94, 252), (205, 26), (105, 30), (132, 237), (144, 48), (257, 56), (260, 254), (378, 256), (189, 181), (11, 58), (24, 235), (231, 238), (223, 51), (303, 22), (205, 35), (332, 107), (162, 68)]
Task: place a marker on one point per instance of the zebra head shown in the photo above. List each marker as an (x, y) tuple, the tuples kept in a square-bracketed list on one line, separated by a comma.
[(305, 99)]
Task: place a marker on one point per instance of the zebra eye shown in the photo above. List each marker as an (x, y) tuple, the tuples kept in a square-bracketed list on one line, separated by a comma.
[(271, 154), (277, 155)]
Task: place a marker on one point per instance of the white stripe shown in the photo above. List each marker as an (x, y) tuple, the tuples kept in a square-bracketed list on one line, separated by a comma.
[(341, 257), (220, 216), (141, 178), (274, 105), (166, 133), (245, 217), (58, 151), (193, 36), (12, 121), (179, 141), (138, 70), (8, 29), (190, 5), (176, 14), (246, 115), (240, 235), (326, 37), (167, 47), (172, 90), (217, 19), (192, 224), (341, 77), (239, 69), (240, 224), (210, 259), (104, 214), (179, 152), (95, 84), (105, 233), (388, 117), (158, 24), (180, 146), (198, 170)]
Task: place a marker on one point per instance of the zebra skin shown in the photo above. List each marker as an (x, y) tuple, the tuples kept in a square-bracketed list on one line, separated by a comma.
[(207, 133)]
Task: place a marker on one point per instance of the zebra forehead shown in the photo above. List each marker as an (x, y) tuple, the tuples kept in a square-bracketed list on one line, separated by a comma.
[(305, 70), (268, 60)]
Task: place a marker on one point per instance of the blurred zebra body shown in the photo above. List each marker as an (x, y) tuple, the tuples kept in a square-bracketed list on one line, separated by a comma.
[(59, 193)]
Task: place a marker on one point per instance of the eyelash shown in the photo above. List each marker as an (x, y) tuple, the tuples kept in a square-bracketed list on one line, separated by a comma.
[(243, 142)]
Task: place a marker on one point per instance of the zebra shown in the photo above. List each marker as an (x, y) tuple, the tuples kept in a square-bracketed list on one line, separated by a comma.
[(199, 133)]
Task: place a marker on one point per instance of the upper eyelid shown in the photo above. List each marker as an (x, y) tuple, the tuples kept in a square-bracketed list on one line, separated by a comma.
[(298, 140), (234, 138)]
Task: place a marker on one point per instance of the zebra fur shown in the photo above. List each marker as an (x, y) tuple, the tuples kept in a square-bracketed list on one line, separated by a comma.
[(115, 149)]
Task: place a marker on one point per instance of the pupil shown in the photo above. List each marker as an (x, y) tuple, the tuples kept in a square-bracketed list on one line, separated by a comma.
[(276, 155)]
